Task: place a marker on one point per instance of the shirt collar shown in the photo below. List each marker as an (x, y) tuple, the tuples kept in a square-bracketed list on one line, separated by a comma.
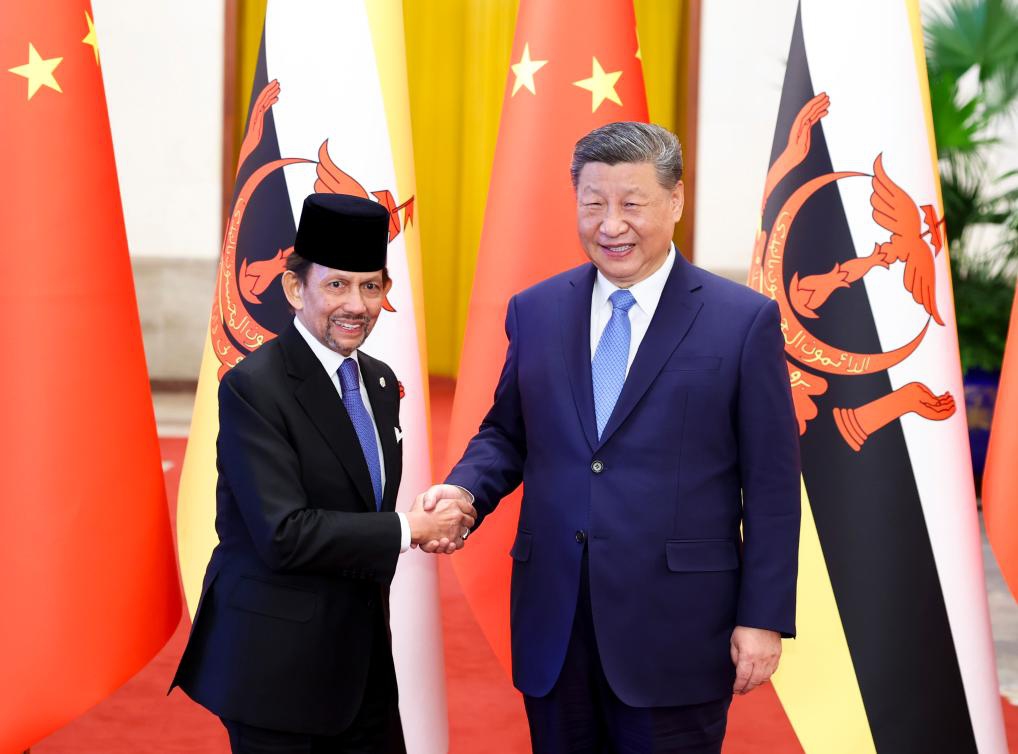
[(330, 360), (647, 292)]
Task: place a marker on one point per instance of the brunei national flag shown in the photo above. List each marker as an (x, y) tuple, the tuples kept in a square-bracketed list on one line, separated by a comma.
[(894, 651), (329, 113)]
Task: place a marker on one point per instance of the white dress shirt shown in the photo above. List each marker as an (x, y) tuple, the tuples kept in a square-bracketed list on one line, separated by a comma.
[(331, 361), (647, 294)]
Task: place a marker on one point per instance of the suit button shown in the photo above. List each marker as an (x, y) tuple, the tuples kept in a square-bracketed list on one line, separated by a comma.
[(581, 536), (370, 602), (597, 467)]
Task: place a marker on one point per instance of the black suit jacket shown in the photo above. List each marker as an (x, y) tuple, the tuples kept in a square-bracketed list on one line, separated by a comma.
[(296, 591)]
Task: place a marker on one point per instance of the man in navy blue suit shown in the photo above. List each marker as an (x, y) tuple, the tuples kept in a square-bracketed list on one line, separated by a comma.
[(645, 405)]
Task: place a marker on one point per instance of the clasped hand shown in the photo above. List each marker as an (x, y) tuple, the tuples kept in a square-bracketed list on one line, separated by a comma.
[(440, 519)]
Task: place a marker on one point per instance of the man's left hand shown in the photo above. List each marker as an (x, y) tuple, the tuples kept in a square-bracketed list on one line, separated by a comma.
[(755, 653)]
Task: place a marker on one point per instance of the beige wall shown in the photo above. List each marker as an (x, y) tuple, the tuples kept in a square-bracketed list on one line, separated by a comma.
[(163, 68), (743, 48)]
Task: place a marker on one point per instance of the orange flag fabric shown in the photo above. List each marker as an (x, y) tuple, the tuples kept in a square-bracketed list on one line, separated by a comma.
[(575, 66), (89, 590), (1000, 479)]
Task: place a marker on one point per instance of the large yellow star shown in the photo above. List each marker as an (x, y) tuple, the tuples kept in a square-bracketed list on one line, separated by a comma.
[(91, 39), (601, 86), (38, 71), (525, 71)]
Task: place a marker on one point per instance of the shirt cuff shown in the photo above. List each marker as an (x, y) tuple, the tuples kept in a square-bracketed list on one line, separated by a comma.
[(404, 536), (468, 492)]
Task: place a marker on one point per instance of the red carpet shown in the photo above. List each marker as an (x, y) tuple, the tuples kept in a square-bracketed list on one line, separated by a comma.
[(486, 713)]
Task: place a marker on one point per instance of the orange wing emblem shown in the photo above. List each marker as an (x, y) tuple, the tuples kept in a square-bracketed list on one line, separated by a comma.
[(895, 211)]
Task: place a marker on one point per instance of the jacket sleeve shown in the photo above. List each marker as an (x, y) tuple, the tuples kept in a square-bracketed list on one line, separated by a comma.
[(262, 470), (492, 464), (769, 466)]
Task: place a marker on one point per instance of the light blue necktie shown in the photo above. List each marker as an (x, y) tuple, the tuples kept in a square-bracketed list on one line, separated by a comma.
[(362, 424), (608, 368)]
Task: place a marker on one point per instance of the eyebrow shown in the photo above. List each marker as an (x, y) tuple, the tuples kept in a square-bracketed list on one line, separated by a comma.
[(631, 191)]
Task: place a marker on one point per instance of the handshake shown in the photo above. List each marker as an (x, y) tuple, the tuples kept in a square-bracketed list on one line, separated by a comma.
[(441, 518)]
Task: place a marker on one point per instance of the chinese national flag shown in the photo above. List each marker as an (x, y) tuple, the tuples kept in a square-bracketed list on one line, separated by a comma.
[(575, 66), (1000, 480), (88, 585)]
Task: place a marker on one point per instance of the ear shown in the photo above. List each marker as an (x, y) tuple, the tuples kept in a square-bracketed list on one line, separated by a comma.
[(293, 288), (678, 201), (386, 286)]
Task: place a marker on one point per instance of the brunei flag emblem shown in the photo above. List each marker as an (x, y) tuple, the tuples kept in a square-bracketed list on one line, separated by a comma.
[(894, 652), (893, 210), (234, 330)]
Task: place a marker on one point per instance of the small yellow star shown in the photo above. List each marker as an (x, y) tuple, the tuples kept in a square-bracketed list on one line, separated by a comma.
[(91, 39), (525, 71), (601, 86), (38, 71)]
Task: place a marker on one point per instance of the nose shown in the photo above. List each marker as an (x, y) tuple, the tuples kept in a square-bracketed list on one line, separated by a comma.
[(354, 303), (613, 224)]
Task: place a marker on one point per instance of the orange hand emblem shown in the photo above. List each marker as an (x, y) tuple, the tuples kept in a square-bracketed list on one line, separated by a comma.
[(799, 142), (266, 99), (857, 424)]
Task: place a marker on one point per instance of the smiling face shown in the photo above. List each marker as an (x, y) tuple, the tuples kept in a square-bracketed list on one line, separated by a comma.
[(339, 308), (625, 219)]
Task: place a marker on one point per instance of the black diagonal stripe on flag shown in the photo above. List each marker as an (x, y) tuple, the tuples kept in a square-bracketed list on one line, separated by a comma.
[(866, 504), (268, 223)]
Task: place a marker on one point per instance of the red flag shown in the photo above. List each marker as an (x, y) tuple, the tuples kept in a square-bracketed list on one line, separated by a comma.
[(575, 67), (89, 586), (1000, 479)]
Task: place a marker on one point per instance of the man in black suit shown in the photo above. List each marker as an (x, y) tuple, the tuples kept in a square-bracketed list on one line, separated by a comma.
[(290, 644)]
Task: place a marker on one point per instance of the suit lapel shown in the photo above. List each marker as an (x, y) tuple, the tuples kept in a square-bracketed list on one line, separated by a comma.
[(575, 330), (317, 395), (382, 401), (672, 319)]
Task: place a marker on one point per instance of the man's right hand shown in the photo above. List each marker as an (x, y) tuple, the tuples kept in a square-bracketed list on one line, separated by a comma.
[(440, 525)]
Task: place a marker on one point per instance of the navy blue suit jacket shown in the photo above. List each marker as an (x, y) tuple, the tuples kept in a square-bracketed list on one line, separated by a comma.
[(703, 440)]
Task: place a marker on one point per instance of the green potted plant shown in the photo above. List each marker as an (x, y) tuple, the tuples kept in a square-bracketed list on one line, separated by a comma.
[(972, 60)]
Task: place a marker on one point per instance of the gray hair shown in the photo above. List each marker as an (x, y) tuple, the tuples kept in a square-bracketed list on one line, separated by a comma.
[(631, 141)]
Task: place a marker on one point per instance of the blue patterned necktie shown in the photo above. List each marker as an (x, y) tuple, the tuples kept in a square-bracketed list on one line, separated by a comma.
[(608, 368), (362, 424)]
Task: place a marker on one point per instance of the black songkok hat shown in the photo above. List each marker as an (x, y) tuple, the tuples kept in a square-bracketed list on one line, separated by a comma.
[(343, 232)]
